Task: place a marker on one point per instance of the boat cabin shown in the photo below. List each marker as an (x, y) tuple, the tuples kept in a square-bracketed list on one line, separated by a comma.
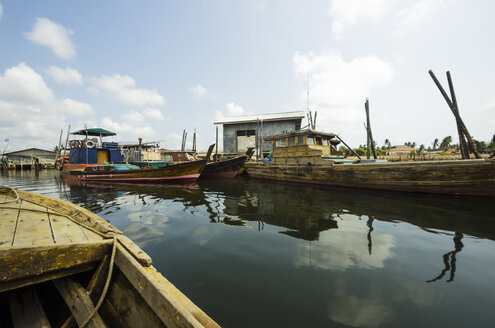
[(303, 147), (94, 150)]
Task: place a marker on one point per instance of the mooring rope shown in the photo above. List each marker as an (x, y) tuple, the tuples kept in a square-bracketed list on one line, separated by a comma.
[(11, 200), (107, 284)]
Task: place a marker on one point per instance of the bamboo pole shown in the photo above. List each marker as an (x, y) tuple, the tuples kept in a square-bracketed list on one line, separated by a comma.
[(462, 140), (368, 126), (261, 139), (457, 116), (59, 145)]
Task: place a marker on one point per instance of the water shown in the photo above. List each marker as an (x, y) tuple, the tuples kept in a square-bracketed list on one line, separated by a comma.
[(256, 253)]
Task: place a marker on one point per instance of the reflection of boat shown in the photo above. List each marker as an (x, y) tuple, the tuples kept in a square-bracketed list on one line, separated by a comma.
[(64, 265), (308, 156)]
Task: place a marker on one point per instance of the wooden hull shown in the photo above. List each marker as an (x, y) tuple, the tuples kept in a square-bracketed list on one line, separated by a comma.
[(55, 260), (466, 177), (223, 169), (187, 171)]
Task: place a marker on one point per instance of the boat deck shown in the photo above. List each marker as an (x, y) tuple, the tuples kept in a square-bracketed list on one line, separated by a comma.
[(23, 223)]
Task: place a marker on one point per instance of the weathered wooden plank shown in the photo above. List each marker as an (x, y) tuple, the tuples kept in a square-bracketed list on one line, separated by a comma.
[(33, 228), (78, 302), (125, 306), (136, 252), (155, 293), (33, 280), (8, 219), (94, 287), (21, 262), (26, 310), (67, 231)]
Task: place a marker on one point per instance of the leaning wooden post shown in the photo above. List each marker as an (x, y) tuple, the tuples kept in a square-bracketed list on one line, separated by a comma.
[(261, 139), (352, 151), (59, 145), (462, 140), (457, 116), (367, 141), (256, 139), (368, 126)]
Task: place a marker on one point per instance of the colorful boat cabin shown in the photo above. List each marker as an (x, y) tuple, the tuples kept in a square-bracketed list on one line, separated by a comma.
[(92, 150), (304, 147)]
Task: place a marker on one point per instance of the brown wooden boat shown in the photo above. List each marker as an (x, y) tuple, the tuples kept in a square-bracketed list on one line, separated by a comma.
[(227, 168), (63, 266), (185, 171), (310, 156)]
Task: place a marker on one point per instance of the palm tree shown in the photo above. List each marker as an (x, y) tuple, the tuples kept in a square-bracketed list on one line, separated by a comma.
[(435, 144), (388, 145), (412, 144), (421, 148), (446, 142)]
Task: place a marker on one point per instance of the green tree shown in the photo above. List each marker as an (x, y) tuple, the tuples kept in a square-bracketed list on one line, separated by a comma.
[(446, 142), (388, 145), (435, 143), (421, 148)]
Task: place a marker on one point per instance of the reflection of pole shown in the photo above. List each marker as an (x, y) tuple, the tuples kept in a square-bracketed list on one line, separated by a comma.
[(449, 259), (370, 226)]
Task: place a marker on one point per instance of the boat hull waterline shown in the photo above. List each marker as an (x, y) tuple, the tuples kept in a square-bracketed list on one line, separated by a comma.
[(466, 177)]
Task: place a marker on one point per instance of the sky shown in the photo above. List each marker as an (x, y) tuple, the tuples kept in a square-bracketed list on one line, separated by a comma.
[(151, 69)]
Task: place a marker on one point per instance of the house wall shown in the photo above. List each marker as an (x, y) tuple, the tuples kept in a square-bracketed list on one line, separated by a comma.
[(270, 128)]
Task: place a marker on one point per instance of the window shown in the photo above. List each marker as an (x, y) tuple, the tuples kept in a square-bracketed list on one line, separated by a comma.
[(311, 141), (325, 142), (281, 143), (319, 140), (300, 140), (243, 133), (292, 141)]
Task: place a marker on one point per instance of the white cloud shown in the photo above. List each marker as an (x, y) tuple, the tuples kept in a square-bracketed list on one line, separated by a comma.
[(30, 112), (54, 36), (198, 90), (421, 12), (346, 13), (1, 11), (22, 84), (128, 130), (232, 110), (122, 88), (133, 117), (338, 88), (154, 114), (65, 75)]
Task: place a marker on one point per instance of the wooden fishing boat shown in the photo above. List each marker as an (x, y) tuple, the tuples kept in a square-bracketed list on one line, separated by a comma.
[(310, 156), (228, 168), (61, 265), (186, 171)]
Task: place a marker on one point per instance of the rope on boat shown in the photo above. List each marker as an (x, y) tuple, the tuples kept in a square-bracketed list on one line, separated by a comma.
[(107, 284), (11, 200)]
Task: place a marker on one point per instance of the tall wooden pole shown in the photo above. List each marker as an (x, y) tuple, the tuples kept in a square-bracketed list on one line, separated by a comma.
[(368, 127), (59, 145), (65, 148), (456, 114), (256, 141), (216, 145), (261, 139), (462, 140)]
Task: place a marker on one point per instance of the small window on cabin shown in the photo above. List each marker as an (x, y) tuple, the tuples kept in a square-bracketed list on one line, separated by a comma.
[(281, 143), (319, 141), (325, 142), (311, 141), (292, 141), (300, 140), (250, 133), (241, 133)]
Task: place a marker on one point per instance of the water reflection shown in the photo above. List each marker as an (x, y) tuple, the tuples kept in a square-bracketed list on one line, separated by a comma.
[(301, 255)]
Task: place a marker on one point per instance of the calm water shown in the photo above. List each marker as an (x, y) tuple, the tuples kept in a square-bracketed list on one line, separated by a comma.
[(263, 254)]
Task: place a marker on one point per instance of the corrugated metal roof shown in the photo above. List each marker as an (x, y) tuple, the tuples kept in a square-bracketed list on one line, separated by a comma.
[(265, 117)]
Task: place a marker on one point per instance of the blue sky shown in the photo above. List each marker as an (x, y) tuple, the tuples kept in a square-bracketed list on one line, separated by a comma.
[(153, 68)]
